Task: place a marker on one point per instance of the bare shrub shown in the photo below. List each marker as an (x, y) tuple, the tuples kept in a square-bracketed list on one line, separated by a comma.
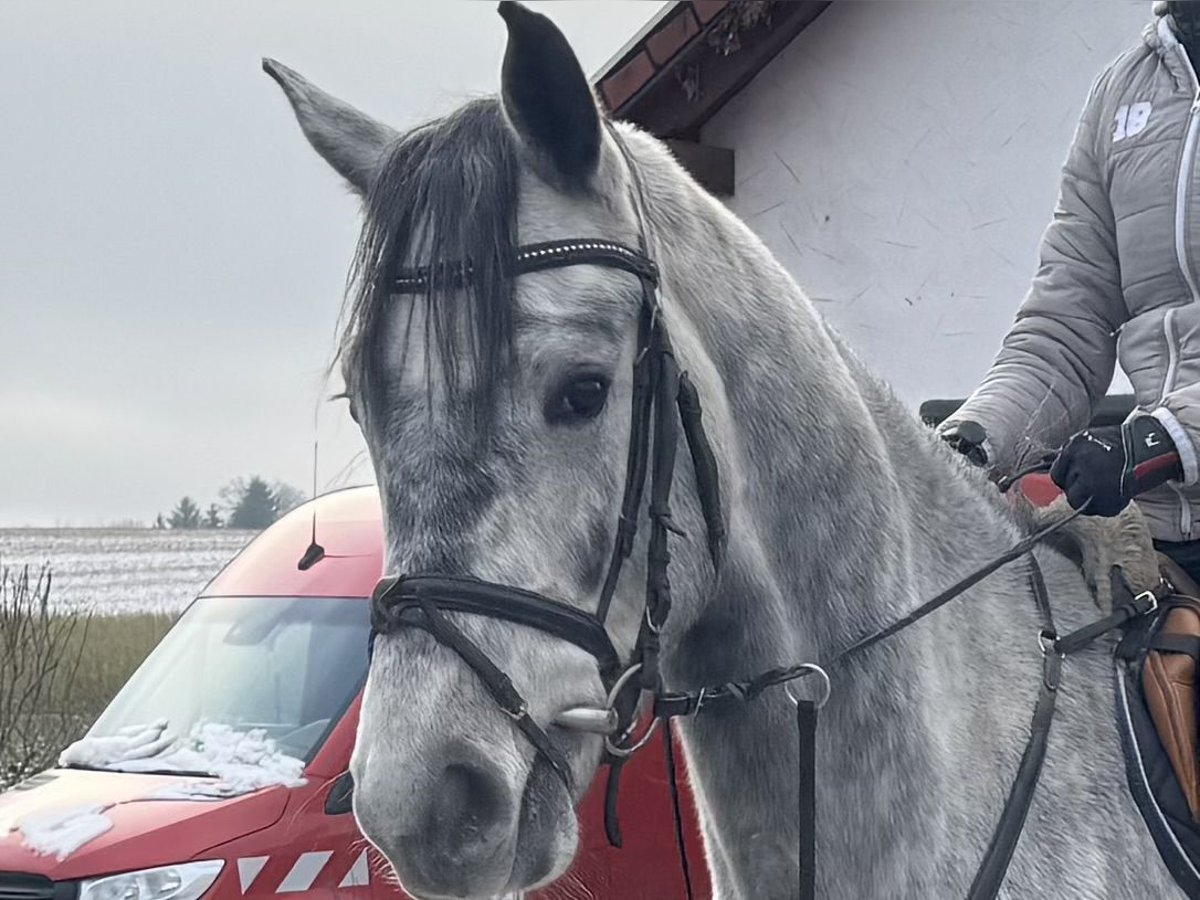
[(40, 655)]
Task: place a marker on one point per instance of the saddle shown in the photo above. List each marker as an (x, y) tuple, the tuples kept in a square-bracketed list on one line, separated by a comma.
[(1155, 668), (1172, 654)]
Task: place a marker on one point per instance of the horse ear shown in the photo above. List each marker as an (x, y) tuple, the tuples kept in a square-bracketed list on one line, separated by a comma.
[(547, 97), (350, 141)]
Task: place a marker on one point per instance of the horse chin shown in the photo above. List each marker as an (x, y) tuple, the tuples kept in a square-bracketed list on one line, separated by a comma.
[(538, 851), (548, 832)]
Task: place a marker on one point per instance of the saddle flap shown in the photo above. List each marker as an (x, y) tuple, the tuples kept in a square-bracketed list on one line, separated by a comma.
[(1169, 683)]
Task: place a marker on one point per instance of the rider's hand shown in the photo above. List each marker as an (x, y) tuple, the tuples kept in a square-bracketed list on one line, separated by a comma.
[(1113, 465), (967, 438)]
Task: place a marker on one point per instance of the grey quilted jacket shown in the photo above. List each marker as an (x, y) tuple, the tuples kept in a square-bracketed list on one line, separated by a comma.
[(1118, 279)]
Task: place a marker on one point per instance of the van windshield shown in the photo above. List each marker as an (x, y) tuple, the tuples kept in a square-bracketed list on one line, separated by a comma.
[(287, 665)]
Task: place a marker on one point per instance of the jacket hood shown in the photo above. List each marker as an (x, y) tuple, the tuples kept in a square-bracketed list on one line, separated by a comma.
[(1159, 32), (1159, 36)]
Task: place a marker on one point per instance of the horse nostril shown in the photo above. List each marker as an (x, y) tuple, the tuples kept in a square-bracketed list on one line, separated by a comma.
[(467, 805)]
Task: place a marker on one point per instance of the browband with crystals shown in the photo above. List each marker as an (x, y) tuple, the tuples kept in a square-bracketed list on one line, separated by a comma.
[(535, 258)]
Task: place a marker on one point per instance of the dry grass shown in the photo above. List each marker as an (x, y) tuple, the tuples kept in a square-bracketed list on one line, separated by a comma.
[(109, 650), (58, 671)]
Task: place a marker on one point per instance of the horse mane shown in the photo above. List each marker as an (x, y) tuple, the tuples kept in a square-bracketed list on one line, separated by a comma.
[(447, 191)]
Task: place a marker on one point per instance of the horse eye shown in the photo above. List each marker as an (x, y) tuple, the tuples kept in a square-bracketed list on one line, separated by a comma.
[(582, 398)]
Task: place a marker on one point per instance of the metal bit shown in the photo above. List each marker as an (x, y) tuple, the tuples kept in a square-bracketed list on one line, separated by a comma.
[(589, 719)]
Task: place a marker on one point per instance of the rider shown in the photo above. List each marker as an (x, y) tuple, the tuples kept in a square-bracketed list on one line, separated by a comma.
[(1119, 278)]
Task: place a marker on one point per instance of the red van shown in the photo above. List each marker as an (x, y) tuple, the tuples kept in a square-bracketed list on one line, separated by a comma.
[(268, 645)]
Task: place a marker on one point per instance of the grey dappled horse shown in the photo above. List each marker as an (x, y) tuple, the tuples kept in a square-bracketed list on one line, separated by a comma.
[(498, 421)]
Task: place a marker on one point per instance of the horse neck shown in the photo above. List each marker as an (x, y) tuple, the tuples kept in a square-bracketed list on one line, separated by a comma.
[(834, 487), (845, 513)]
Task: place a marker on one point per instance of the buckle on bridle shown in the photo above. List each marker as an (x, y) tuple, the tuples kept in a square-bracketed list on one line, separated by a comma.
[(521, 712)]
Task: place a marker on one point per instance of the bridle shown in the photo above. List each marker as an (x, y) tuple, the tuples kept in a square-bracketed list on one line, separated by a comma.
[(663, 401)]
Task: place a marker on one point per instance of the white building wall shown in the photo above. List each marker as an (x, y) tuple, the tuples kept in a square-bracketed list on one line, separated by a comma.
[(902, 158)]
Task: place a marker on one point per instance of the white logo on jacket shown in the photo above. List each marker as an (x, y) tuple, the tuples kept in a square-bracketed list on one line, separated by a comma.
[(1131, 119)]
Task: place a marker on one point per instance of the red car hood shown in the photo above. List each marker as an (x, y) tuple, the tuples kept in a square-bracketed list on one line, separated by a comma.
[(144, 833)]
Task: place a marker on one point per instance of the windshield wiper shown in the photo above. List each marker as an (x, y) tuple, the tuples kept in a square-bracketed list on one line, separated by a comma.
[(182, 773)]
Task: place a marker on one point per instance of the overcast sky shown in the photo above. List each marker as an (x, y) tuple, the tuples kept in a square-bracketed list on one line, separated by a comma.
[(172, 252)]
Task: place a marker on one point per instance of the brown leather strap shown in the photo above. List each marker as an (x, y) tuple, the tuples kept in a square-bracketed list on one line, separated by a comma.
[(1169, 684)]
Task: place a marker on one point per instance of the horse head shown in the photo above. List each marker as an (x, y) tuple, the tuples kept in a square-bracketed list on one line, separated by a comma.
[(504, 302)]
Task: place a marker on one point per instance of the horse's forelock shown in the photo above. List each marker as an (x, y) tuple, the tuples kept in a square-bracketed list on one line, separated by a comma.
[(448, 191)]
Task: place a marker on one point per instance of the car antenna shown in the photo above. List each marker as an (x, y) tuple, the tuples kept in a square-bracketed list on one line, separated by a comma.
[(315, 552)]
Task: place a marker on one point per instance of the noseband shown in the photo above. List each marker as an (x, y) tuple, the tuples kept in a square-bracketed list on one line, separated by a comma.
[(663, 398)]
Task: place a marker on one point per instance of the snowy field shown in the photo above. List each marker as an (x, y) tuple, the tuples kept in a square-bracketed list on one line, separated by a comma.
[(114, 571)]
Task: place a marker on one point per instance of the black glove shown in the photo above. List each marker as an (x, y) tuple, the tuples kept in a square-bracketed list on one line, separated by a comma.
[(967, 438), (1113, 465)]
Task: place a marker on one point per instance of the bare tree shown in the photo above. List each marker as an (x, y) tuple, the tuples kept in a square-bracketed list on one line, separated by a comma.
[(40, 652)]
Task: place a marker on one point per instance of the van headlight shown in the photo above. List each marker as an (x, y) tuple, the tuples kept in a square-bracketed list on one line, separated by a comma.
[(185, 881)]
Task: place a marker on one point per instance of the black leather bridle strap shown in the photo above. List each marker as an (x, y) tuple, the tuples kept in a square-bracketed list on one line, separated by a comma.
[(704, 463), (658, 556), (581, 252), (941, 599), (806, 727), (1130, 608), (990, 875), (531, 258), (461, 593), (635, 463), (499, 685)]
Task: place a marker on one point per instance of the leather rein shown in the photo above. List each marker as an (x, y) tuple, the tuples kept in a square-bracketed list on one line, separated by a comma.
[(663, 402)]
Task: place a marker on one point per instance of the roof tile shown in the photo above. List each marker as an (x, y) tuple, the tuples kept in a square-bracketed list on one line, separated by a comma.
[(627, 80), (667, 41), (706, 9)]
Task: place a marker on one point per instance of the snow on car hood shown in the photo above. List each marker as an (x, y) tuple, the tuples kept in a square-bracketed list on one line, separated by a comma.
[(142, 832), (139, 794), (240, 761)]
